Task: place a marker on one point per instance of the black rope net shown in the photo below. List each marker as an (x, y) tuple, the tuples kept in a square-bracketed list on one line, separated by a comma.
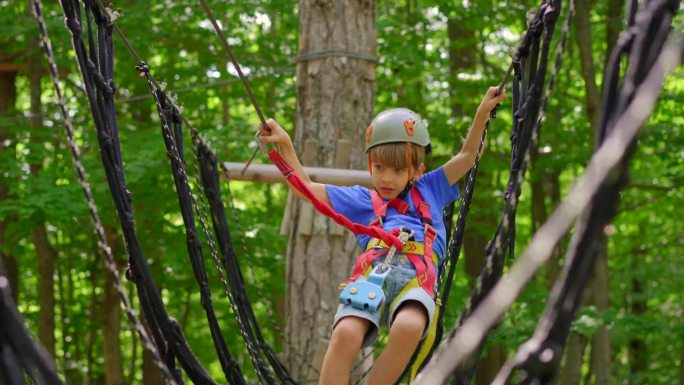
[(595, 195), (18, 353), (93, 45), (537, 360), (529, 65)]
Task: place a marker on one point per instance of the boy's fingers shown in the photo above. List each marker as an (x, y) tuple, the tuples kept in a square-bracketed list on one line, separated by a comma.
[(265, 129)]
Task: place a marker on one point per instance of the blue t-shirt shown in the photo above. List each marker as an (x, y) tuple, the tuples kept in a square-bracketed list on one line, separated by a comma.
[(355, 203)]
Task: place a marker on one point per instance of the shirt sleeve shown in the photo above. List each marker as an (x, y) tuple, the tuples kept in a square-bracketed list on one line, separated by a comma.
[(436, 182), (352, 202)]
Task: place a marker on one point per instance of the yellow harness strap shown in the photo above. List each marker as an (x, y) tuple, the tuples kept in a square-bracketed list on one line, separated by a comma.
[(410, 248), (429, 340)]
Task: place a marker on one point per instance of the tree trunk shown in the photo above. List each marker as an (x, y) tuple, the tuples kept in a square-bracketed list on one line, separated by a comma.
[(585, 46), (463, 58), (553, 191), (45, 253), (151, 374), (335, 94), (614, 25), (71, 336), (638, 349), (8, 98), (111, 322), (681, 365), (571, 374), (479, 232), (601, 340), (538, 207), (601, 284), (46, 294), (490, 364)]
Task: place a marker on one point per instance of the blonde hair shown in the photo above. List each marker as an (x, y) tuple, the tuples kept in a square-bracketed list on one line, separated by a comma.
[(395, 155)]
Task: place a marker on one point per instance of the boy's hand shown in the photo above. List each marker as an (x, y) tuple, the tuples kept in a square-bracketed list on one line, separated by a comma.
[(489, 101), (273, 134)]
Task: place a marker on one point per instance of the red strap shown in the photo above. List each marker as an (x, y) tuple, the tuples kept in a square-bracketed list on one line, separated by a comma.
[(425, 272), (325, 209), (422, 207), (424, 269), (428, 243), (380, 208), (363, 261)]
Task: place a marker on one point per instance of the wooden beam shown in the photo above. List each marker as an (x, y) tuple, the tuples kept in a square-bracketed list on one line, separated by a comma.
[(8, 67), (268, 173)]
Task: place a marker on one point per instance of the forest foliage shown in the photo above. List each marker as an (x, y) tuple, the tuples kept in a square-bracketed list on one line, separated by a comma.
[(646, 242)]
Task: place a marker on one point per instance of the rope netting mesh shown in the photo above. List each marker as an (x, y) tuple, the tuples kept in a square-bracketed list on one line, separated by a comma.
[(650, 58)]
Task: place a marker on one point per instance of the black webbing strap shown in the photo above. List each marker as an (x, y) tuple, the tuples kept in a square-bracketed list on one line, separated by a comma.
[(171, 127), (110, 263), (539, 358), (172, 118), (455, 242), (529, 65), (611, 86), (96, 66), (212, 190), (529, 44), (19, 355)]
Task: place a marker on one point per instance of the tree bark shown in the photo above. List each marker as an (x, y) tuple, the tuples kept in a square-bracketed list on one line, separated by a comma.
[(571, 373), (111, 322), (490, 364), (463, 58), (681, 365), (45, 253), (638, 349), (46, 293), (585, 46), (614, 26), (335, 94), (71, 336), (538, 207), (8, 98), (150, 372), (601, 357)]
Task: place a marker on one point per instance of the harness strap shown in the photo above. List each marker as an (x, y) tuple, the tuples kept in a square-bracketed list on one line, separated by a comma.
[(380, 208), (324, 208), (420, 255), (363, 262)]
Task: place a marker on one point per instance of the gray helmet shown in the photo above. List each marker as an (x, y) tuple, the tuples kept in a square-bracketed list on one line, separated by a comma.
[(397, 125)]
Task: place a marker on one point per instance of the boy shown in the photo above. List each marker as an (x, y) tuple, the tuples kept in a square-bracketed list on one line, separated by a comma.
[(405, 200)]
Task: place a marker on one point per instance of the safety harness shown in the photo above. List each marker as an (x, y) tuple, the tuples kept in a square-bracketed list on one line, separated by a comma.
[(419, 254)]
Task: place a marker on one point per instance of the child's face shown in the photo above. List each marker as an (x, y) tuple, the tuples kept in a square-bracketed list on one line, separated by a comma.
[(390, 181)]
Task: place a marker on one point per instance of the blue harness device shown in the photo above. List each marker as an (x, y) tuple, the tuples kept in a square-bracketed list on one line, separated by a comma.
[(368, 294)]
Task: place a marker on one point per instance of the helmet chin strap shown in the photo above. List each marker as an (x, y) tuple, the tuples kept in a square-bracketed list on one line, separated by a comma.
[(406, 189), (409, 155)]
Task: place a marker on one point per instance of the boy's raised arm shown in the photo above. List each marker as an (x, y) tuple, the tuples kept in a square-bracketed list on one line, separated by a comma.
[(459, 165), (274, 134)]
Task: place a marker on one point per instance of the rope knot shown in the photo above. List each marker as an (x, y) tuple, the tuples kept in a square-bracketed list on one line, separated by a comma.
[(143, 69)]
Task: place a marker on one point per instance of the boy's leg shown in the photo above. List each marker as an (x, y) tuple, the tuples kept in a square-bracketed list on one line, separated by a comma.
[(405, 334), (345, 343)]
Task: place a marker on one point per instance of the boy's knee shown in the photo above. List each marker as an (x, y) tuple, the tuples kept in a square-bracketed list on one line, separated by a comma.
[(349, 332), (410, 320)]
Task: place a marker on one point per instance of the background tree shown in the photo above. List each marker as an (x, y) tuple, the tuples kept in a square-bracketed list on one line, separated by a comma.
[(335, 93), (436, 58)]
